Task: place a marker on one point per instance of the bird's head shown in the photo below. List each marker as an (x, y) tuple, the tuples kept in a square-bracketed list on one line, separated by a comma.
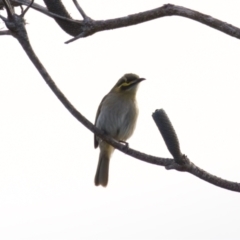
[(127, 84)]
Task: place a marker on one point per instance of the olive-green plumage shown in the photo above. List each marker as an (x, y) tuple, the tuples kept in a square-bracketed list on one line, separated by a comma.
[(116, 116)]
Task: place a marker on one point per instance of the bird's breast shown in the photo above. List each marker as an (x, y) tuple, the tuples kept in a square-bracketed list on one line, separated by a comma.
[(118, 118)]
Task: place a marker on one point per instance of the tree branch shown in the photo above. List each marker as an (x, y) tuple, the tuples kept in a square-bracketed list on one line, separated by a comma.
[(91, 27), (45, 11), (5, 32), (180, 162), (87, 27)]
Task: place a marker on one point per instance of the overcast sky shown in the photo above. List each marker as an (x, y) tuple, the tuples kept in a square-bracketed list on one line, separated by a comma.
[(47, 158)]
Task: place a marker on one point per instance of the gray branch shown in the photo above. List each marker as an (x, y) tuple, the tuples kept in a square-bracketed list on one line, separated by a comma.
[(87, 26), (5, 32)]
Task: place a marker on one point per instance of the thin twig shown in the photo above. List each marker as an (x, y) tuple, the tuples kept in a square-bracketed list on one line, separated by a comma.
[(84, 15), (27, 8), (9, 8)]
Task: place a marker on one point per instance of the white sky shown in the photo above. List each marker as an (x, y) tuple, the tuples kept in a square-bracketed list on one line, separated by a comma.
[(47, 159)]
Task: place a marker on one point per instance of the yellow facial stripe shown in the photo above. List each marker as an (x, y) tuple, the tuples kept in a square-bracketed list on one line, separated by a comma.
[(125, 84)]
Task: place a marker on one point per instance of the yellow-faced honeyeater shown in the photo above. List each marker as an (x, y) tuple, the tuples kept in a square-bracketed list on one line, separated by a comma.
[(116, 116)]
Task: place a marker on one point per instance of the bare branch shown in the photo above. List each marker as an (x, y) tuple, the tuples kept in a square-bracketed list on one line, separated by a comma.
[(80, 29), (72, 28), (5, 32), (92, 26), (12, 3)]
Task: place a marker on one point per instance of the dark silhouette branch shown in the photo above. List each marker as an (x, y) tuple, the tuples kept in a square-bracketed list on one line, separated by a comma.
[(13, 3), (87, 26), (5, 32), (45, 11), (58, 8), (16, 26), (91, 27)]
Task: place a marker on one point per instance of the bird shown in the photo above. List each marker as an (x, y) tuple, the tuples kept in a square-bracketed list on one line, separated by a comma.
[(116, 116)]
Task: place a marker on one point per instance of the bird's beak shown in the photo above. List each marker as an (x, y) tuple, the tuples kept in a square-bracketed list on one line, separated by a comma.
[(136, 81), (140, 79)]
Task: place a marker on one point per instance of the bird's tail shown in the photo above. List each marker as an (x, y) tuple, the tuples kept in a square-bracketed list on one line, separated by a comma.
[(101, 177)]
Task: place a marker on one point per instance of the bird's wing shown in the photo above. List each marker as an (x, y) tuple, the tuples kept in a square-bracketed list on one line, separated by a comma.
[(98, 112)]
